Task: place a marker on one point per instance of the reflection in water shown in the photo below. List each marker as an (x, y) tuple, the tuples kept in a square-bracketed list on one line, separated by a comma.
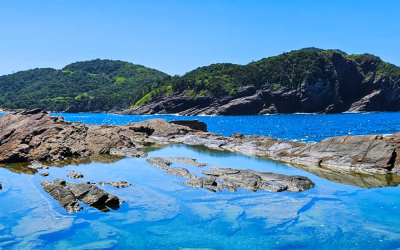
[(353, 178), (87, 160), (162, 213), (19, 168)]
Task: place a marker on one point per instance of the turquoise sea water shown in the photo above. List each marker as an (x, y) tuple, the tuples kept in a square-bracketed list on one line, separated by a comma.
[(162, 213)]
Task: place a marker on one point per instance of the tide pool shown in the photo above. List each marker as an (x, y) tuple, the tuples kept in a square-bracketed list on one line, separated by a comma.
[(342, 211), (161, 213)]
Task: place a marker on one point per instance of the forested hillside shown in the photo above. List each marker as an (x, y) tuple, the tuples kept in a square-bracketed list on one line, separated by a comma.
[(286, 70), (307, 80), (97, 85)]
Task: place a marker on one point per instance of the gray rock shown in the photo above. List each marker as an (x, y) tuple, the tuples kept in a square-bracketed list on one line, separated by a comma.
[(159, 162), (185, 160), (1, 186), (103, 183), (203, 182), (117, 184), (75, 175), (130, 152), (64, 196), (60, 182), (180, 172), (44, 174), (253, 180), (94, 196)]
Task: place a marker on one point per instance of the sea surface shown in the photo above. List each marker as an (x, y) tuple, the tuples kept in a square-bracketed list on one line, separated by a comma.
[(299, 127), (342, 211)]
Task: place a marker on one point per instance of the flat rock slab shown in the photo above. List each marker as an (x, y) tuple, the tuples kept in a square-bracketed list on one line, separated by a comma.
[(130, 152), (253, 180), (119, 184), (231, 179), (159, 162), (185, 160)]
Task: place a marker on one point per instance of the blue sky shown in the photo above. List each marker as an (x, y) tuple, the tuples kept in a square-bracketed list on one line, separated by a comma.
[(178, 36)]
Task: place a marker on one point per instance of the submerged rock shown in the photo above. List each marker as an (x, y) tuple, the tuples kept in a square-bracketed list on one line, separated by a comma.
[(63, 195)]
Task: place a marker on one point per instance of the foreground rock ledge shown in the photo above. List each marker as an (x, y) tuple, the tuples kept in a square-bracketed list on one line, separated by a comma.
[(35, 135)]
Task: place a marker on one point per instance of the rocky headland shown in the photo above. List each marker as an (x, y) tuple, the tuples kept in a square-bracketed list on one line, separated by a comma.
[(344, 83)]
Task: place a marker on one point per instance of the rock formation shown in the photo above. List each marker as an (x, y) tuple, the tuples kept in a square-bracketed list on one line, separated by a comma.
[(35, 135)]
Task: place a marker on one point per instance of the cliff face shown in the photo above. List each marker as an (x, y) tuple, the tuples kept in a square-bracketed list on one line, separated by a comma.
[(350, 85)]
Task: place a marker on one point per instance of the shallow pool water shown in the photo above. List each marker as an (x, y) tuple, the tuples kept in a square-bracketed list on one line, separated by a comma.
[(162, 213)]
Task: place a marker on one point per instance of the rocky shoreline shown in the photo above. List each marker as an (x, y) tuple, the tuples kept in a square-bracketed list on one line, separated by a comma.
[(35, 136)]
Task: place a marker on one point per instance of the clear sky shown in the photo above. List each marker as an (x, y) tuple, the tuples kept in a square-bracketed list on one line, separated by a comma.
[(177, 36)]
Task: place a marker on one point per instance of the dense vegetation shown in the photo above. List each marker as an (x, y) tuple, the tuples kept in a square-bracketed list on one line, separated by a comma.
[(102, 85), (286, 70), (83, 86)]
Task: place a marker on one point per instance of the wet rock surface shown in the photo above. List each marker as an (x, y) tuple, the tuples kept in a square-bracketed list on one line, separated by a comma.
[(1, 186)]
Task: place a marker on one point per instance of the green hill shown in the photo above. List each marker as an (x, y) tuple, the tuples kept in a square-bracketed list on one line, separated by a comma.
[(97, 85), (288, 70)]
